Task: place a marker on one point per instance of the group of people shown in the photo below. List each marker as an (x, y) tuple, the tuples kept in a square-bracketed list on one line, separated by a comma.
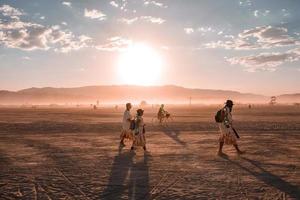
[(133, 128)]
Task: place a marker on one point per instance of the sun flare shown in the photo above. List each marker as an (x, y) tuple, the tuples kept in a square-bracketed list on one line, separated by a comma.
[(140, 64)]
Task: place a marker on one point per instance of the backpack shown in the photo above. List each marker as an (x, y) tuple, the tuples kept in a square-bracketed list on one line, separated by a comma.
[(220, 116)]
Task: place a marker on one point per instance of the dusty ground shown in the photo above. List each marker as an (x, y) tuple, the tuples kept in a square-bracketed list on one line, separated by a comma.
[(73, 154)]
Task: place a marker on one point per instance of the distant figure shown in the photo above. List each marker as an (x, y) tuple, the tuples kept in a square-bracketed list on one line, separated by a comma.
[(249, 106), (161, 113), (273, 100), (228, 134), (95, 107), (116, 107), (139, 132), (126, 131)]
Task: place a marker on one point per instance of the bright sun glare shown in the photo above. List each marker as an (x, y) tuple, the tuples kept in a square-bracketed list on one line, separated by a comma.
[(140, 64)]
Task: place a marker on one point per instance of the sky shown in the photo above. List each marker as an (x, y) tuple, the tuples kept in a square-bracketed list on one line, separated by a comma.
[(242, 45)]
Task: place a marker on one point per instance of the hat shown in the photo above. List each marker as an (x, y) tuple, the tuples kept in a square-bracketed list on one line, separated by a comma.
[(140, 111), (229, 103)]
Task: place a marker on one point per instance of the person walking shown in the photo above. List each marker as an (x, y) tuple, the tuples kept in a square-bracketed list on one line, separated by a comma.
[(139, 139), (227, 132), (126, 131)]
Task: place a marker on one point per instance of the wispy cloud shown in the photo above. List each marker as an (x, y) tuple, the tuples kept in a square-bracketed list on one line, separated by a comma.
[(8, 11), (154, 20), (245, 3), (16, 33), (203, 30), (266, 61), (263, 37), (155, 3), (285, 12), (115, 44), (188, 30), (94, 14), (67, 3), (114, 4), (128, 20), (259, 13)]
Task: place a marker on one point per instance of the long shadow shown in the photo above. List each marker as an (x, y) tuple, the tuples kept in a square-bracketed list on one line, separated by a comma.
[(174, 135), (139, 179), (116, 184), (138, 182), (269, 178)]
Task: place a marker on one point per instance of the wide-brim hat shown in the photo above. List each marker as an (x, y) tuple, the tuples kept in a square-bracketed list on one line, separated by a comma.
[(140, 111)]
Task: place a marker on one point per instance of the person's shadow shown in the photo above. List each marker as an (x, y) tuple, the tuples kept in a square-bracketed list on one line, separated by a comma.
[(268, 178), (137, 187), (174, 135), (139, 179)]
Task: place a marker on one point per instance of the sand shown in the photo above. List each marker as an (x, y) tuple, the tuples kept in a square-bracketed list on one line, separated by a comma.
[(74, 154)]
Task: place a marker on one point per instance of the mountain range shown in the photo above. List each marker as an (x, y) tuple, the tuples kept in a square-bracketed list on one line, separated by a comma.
[(124, 93)]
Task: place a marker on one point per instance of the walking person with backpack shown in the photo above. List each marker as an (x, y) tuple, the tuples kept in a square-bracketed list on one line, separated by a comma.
[(228, 135)]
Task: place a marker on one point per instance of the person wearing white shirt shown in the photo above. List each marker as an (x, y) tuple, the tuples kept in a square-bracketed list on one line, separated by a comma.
[(126, 131), (227, 134)]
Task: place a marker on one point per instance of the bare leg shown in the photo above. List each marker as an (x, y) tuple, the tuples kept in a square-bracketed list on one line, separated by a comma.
[(238, 149), (122, 142), (220, 148)]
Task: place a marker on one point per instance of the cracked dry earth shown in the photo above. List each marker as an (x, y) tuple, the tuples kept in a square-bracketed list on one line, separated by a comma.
[(74, 154)]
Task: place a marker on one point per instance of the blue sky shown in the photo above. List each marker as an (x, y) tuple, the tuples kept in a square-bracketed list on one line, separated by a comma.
[(244, 45)]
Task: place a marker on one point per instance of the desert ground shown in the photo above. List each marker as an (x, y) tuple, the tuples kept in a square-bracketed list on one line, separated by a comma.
[(73, 153)]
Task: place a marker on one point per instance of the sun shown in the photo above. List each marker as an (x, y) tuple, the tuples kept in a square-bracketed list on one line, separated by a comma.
[(140, 64)]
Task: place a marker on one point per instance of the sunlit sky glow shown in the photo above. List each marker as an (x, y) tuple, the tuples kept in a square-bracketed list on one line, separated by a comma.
[(243, 45)]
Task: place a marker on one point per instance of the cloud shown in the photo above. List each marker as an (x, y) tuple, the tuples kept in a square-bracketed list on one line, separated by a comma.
[(245, 3), (67, 3), (268, 36), (155, 3), (285, 13), (203, 30), (264, 37), (7, 10), (121, 4), (206, 29), (114, 4), (154, 20), (115, 44), (258, 13), (237, 44), (28, 36), (188, 30), (128, 21), (94, 14), (266, 61)]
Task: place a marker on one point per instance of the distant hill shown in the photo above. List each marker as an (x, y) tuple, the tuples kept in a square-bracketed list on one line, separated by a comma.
[(121, 94), (289, 98)]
